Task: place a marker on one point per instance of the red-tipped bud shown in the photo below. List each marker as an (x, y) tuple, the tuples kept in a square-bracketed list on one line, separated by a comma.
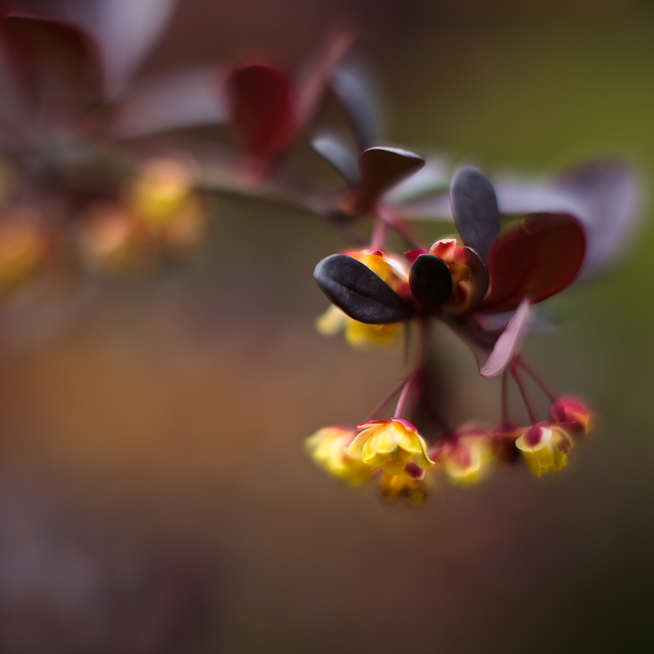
[(468, 273), (447, 249), (572, 413)]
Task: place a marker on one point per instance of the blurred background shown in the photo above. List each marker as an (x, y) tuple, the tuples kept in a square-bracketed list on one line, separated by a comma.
[(154, 492)]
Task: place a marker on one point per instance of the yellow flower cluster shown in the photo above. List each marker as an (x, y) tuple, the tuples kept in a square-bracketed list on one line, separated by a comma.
[(395, 449)]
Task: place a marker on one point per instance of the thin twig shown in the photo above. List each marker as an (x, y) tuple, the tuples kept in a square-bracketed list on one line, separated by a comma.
[(533, 416), (530, 371)]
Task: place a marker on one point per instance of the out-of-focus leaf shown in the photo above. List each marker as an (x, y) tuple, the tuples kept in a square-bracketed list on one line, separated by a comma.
[(125, 29), (382, 167), (359, 292), (173, 101), (434, 207), (536, 259), (430, 281), (354, 91), (609, 192), (337, 153), (509, 342), (432, 179), (475, 211), (538, 322), (263, 107), (49, 52), (602, 194)]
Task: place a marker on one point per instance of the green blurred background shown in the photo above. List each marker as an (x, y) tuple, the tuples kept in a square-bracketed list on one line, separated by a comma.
[(175, 409)]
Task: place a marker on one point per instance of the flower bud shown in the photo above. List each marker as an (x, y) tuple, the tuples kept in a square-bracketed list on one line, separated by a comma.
[(469, 280), (572, 413)]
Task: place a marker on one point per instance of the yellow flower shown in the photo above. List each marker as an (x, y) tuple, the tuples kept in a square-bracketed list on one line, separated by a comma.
[(161, 188), (465, 454), (390, 445), (544, 446), (327, 448), (164, 202), (412, 485), (357, 333)]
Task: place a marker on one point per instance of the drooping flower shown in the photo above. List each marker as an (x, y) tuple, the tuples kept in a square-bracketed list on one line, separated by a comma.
[(390, 445), (544, 447), (571, 413), (412, 485), (465, 454), (357, 333), (327, 447)]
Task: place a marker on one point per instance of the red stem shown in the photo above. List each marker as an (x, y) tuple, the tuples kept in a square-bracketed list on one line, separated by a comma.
[(379, 234), (530, 371), (385, 401), (401, 228), (525, 398)]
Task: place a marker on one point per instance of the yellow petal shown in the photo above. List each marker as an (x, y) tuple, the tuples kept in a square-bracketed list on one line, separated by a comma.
[(331, 322)]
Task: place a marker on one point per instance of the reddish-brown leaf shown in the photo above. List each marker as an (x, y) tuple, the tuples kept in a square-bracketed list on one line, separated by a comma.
[(263, 108), (63, 52), (536, 259)]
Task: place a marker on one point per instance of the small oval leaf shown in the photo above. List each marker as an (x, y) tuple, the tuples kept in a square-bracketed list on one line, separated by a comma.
[(334, 151), (474, 208), (430, 281), (359, 292), (535, 260), (353, 90), (263, 108), (381, 168)]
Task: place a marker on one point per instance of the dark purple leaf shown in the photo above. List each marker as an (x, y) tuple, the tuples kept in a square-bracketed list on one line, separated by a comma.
[(353, 90), (359, 292), (173, 101), (430, 281), (509, 342), (475, 211), (337, 153), (381, 168)]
